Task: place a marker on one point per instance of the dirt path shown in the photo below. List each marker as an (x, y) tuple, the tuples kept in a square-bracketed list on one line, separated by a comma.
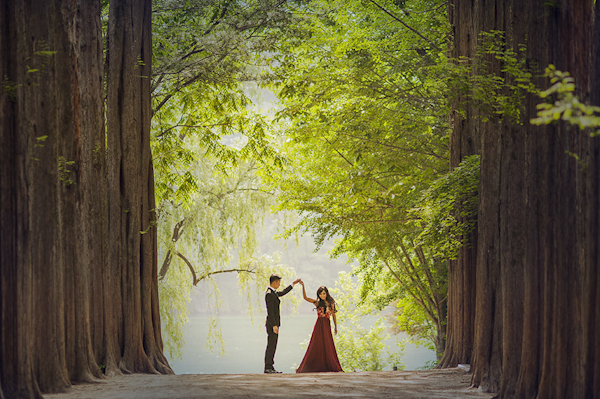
[(437, 384)]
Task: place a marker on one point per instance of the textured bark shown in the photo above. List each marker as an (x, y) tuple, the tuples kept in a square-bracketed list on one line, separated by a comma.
[(131, 188), (59, 315), (464, 141), (32, 313), (75, 133), (90, 68), (537, 263), (591, 240)]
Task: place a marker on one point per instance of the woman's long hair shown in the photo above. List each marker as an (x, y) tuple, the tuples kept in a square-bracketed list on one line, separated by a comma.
[(321, 303)]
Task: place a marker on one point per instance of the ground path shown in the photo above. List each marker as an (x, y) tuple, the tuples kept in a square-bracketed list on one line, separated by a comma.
[(435, 384)]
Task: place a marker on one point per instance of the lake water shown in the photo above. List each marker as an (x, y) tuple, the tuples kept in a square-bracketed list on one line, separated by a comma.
[(245, 345)]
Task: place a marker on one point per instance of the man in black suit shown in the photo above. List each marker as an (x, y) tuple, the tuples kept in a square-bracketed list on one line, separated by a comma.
[(273, 320)]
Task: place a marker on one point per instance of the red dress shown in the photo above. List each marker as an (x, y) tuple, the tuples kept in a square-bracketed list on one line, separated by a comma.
[(321, 355)]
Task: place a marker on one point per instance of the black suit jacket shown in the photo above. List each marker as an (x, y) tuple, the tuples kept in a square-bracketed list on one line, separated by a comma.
[(272, 301)]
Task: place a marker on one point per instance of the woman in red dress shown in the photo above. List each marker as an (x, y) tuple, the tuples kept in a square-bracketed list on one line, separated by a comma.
[(321, 355)]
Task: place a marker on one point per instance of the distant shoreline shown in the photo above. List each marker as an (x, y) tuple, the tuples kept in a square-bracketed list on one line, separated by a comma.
[(245, 345)]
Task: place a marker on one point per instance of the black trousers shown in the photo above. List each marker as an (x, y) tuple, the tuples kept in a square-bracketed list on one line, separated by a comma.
[(271, 347)]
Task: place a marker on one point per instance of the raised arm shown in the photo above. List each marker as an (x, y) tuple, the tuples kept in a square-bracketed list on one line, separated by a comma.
[(307, 299), (288, 288)]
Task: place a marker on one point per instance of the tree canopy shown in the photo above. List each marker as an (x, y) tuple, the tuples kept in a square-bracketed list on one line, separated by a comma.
[(365, 121), (210, 147)]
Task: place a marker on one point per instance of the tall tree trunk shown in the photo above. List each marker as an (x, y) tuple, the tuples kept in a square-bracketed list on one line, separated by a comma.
[(591, 238), (83, 190), (33, 326), (90, 71), (441, 324), (464, 141), (537, 261), (131, 187)]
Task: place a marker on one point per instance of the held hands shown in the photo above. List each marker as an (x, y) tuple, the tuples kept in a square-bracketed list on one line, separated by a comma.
[(297, 281)]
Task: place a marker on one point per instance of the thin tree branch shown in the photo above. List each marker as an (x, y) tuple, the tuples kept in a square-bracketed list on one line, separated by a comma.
[(224, 271), (196, 280), (380, 221), (410, 150), (416, 295), (216, 22), (350, 163), (169, 256), (191, 127), (257, 189), (403, 23), (165, 266), (423, 260), (188, 82), (426, 11), (428, 298), (187, 262)]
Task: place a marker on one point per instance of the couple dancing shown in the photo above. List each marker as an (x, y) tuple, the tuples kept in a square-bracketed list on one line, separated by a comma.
[(320, 355)]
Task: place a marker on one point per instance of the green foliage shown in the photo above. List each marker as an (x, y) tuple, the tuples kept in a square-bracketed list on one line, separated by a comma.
[(406, 273), (411, 318), (213, 231), (429, 365), (212, 117), (476, 82), (9, 88), (63, 169), (38, 62), (202, 50), (40, 141), (174, 294), (566, 105), (448, 209), (34, 65), (365, 135), (208, 145), (359, 348), (365, 126)]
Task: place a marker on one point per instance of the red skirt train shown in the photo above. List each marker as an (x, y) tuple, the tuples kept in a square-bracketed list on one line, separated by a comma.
[(321, 355)]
